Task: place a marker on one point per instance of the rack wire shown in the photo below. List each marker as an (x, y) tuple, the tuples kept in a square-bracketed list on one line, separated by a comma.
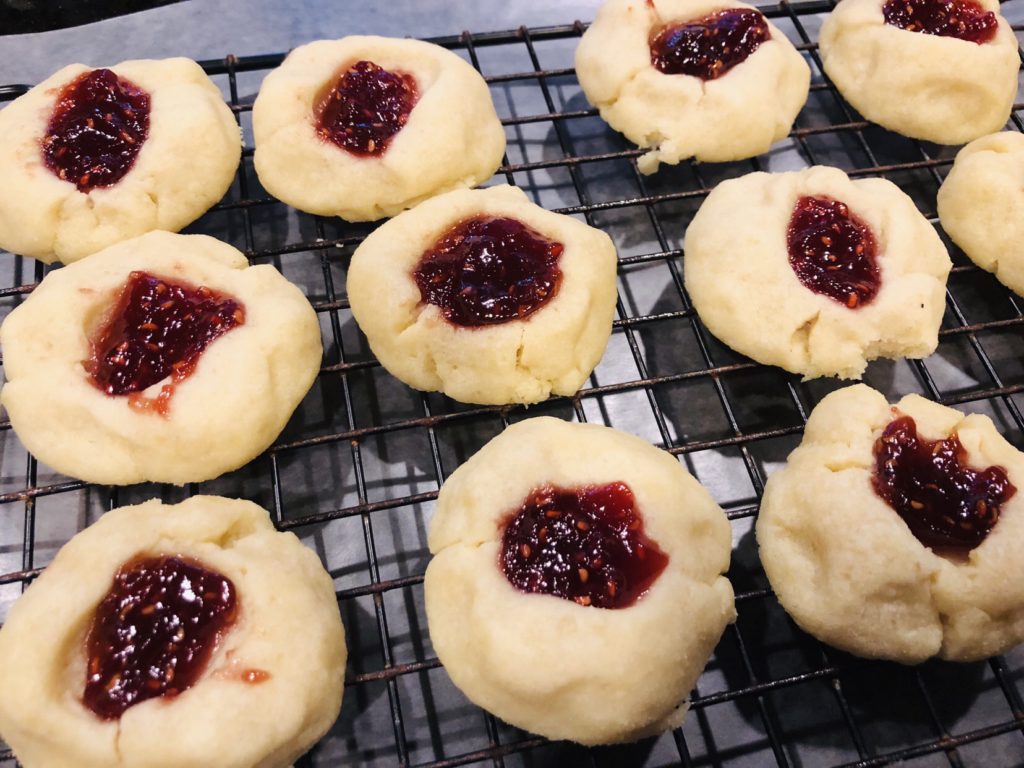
[(356, 472)]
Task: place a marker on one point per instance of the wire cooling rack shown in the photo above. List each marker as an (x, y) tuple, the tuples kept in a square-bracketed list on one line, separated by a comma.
[(356, 472)]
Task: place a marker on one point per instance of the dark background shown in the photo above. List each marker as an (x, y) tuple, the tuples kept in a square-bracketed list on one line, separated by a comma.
[(20, 16)]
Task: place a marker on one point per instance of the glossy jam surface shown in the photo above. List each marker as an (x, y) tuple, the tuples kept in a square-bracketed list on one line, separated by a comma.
[(949, 506), (584, 544), (96, 130), (833, 252), (963, 19), (485, 271), (366, 108), (710, 46), (157, 329), (154, 632)]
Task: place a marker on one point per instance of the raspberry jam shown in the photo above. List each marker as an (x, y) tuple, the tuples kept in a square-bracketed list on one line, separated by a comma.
[(485, 271), (832, 252), (963, 19), (154, 632), (366, 108), (157, 329), (948, 505), (583, 544), (96, 130), (710, 46)]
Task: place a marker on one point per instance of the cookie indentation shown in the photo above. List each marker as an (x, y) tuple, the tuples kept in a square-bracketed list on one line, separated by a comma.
[(583, 544), (366, 108), (833, 252), (158, 328), (96, 130), (948, 505), (154, 632), (485, 271), (710, 46), (962, 19)]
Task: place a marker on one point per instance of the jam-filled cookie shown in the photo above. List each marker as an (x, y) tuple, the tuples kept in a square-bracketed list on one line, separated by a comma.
[(940, 70), (710, 79), (164, 358), (894, 532), (486, 297), (365, 127), (981, 205), (189, 634), (90, 157), (576, 588), (815, 272)]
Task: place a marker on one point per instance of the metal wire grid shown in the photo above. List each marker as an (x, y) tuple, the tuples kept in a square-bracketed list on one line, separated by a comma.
[(764, 670)]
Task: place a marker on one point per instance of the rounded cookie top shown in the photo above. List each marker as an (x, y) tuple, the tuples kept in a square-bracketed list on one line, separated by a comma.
[(923, 83), (365, 127), (165, 358), (485, 296), (96, 156), (981, 205), (815, 272), (541, 656), (271, 681), (894, 579), (710, 79)]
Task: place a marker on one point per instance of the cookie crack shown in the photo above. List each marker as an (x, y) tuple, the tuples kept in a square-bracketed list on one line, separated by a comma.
[(801, 337), (117, 743)]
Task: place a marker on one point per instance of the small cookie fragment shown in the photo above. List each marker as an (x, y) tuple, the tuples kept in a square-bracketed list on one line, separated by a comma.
[(708, 79), (981, 205), (576, 585), (164, 634), (165, 358), (365, 127), (92, 157), (894, 532), (939, 70), (815, 272), (486, 297)]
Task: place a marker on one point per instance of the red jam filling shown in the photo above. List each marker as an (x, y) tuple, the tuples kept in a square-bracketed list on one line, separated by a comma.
[(485, 271), (583, 544), (157, 329), (96, 130), (154, 632), (710, 46), (832, 252), (963, 19), (948, 505), (366, 108)]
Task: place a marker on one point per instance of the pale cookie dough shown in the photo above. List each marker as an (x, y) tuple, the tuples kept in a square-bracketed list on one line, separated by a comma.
[(288, 626), (744, 289), (847, 568), (244, 388), (925, 86), (185, 165), (735, 116), (552, 351), (452, 139), (545, 663), (981, 205)]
